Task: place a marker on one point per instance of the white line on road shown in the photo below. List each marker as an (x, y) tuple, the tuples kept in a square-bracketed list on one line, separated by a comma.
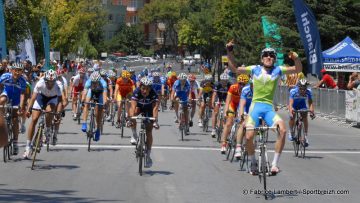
[(195, 148)]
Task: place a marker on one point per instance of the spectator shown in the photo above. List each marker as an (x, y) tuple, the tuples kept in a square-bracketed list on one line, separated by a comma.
[(353, 81), (326, 80)]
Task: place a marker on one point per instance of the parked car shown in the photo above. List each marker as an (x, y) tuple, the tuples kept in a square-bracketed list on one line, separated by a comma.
[(149, 60), (188, 61)]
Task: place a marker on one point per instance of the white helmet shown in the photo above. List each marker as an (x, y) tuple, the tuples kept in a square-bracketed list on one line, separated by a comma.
[(50, 75), (17, 66), (146, 81), (95, 76), (102, 72), (208, 77), (156, 74), (182, 76), (111, 73), (268, 50), (224, 76), (302, 82)]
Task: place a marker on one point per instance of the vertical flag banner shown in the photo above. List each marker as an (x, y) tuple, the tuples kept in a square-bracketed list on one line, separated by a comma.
[(309, 34), (271, 30), (46, 39), (2, 32), (30, 49)]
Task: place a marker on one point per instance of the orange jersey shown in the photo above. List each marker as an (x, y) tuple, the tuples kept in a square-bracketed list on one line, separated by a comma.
[(235, 92), (125, 88), (170, 82)]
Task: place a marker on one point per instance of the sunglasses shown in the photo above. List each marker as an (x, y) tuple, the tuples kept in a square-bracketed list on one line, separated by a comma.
[(271, 54), (18, 70), (242, 84)]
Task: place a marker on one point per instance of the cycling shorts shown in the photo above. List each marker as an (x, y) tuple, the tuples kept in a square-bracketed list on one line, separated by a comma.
[(232, 109), (97, 96), (77, 90), (127, 96), (42, 101), (266, 111)]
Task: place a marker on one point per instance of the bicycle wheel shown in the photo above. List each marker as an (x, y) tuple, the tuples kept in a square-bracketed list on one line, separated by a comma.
[(228, 149), (296, 143), (122, 120), (244, 159), (263, 168), (181, 125), (220, 129), (140, 149), (90, 133), (48, 139), (5, 151), (78, 112), (10, 144), (302, 143), (37, 146)]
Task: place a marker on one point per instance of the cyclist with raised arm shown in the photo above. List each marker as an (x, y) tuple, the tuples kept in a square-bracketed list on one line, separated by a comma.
[(265, 80), (145, 101), (181, 91), (47, 96), (231, 106), (14, 86), (194, 94), (219, 95), (243, 110), (124, 90), (77, 86), (206, 90), (297, 101), (95, 89)]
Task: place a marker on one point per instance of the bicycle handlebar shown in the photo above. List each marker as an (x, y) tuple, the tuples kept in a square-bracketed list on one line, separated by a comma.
[(262, 128), (93, 103), (143, 118)]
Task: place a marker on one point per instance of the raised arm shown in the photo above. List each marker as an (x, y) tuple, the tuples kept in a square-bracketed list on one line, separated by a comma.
[(231, 59), (298, 65)]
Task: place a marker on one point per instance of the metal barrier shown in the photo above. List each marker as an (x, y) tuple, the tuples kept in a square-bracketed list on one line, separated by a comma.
[(328, 103)]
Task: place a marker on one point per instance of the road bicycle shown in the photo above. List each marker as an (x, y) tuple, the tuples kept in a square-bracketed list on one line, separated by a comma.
[(91, 131)]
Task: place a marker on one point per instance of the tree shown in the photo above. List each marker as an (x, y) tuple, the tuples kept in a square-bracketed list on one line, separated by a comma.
[(128, 39)]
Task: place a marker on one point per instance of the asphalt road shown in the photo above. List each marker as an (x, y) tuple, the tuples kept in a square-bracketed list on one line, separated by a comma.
[(192, 170)]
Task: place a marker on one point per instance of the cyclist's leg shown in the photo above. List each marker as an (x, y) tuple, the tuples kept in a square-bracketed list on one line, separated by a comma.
[(273, 119), (306, 127), (230, 114), (176, 108), (214, 117), (74, 102), (3, 133), (119, 103), (251, 122), (34, 119), (202, 109)]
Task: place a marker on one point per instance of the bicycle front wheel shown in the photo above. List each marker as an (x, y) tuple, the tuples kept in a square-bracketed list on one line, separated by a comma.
[(37, 146), (140, 151)]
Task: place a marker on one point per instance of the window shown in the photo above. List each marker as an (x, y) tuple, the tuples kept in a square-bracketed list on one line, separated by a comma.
[(116, 2), (133, 3), (104, 2)]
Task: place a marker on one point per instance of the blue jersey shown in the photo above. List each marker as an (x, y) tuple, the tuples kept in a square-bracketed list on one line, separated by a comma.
[(145, 103), (300, 100), (157, 87), (13, 89), (134, 78), (163, 80), (247, 94), (100, 87), (182, 92)]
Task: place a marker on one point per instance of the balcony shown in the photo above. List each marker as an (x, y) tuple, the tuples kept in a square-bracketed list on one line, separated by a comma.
[(132, 8)]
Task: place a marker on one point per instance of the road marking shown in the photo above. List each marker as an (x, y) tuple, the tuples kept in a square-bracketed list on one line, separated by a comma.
[(197, 148)]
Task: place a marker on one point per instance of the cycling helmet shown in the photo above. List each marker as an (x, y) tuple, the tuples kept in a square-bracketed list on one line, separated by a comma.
[(268, 51), (125, 74), (208, 77), (82, 70), (207, 65), (243, 78), (103, 73), (17, 66), (302, 83), (146, 81), (111, 74), (50, 75), (95, 76), (224, 76), (173, 74), (192, 77), (156, 74), (182, 76), (90, 70)]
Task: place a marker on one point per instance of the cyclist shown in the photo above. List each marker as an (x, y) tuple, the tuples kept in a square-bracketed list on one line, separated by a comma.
[(77, 86), (95, 89), (105, 77), (112, 78), (244, 106), (46, 96), (297, 101), (14, 87), (64, 84), (171, 80), (181, 90), (157, 84), (194, 94), (219, 95), (265, 79), (231, 106), (206, 90), (123, 90), (133, 76), (145, 101)]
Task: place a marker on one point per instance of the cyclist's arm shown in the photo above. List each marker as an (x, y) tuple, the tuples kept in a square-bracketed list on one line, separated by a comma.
[(84, 93), (241, 107), (116, 90), (232, 64), (133, 105), (172, 95), (105, 97), (227, 104), (200, 93), (155, 109), (59, 106), (311, 105), (291, 102), (22, 101), (32, 101), (298, 65), (213, 99)]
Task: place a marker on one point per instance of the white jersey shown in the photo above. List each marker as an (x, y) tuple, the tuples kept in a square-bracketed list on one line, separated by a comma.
[(63, 82), (76, 80), (194, 87), (40, 88)]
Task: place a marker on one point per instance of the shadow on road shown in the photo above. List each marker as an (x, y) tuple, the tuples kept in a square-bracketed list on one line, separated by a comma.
[(64, 150), (68, 133), (52, 167), (151, 173), (30, 195), (104, 149)]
